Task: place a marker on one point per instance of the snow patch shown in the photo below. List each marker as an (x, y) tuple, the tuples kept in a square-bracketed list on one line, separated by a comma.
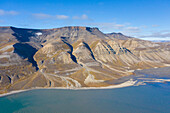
[(131, 70), (39, 33)]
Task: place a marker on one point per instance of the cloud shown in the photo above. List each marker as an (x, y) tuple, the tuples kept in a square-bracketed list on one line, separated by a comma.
[(109, 26), (41, 16), (3, 12), (24, 25), (62, 17), (155, 25), (124, 28), (82, 17), (118, 26), (157, 35), (47, 16), (132, 29), (144, 26), (76, 17)]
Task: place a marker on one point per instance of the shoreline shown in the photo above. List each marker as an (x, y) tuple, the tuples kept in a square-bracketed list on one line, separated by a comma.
[(127, 83), (122, 85)]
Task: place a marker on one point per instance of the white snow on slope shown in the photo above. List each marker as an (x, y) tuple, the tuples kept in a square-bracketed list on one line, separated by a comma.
[(39, 33)]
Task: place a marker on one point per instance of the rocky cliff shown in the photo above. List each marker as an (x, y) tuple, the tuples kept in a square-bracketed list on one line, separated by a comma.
[(72, 57)]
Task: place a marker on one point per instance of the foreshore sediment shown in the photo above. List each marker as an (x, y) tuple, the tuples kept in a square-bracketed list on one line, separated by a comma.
[(125, 84), (162, 72)]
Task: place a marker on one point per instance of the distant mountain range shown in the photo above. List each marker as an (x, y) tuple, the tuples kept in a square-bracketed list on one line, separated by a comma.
[(160, 40), (72, 57)]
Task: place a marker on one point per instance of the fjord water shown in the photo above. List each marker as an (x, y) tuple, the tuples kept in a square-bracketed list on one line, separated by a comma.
[(150, 98)]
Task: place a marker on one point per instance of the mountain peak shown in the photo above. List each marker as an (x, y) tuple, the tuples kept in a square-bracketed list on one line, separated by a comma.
[(66, 27), (118, 36), (77, 28), (115, 33)]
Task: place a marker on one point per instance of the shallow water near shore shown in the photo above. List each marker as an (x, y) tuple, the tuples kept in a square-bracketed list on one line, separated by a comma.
[(150, 98)]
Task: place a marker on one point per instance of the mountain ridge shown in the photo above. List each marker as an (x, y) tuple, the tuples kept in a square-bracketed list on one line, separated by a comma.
[(72, 57), (65, 27)]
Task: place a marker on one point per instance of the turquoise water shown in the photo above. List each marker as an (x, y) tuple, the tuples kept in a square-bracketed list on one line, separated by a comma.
[(151, 98)]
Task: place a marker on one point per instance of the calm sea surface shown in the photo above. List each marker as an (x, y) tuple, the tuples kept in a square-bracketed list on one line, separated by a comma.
[(151, 98)]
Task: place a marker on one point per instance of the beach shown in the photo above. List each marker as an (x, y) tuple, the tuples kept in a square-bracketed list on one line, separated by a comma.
[(153, 75), (125, 84)]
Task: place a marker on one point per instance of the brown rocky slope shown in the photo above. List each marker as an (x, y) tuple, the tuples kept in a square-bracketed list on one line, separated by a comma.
[(72, 57)]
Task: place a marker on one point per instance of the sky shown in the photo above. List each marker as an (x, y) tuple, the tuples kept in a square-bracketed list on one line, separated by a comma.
[(145, 19)]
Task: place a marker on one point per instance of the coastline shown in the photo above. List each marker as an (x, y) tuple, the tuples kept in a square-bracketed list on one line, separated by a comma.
[(124, 84), (140, 80)]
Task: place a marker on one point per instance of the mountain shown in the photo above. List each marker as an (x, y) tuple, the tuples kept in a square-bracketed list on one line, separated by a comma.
[(118, 36), (72, 57)]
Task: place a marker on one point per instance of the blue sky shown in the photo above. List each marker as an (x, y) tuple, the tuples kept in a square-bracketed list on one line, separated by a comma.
[(146, 19)]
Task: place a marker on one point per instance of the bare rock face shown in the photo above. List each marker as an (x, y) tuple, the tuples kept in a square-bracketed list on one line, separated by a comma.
[(72, 57)]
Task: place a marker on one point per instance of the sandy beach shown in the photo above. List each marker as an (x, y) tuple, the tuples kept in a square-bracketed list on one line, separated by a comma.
[(128, 83), (162, 72), (125, 84)]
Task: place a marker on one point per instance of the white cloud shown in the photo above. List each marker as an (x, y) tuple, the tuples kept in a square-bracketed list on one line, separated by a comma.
[(62, 17), (75, 17), (41, 16), (109, 26), (47, 16), (118, 26), (82, 17), (156, 39), (3, 12), (155, 25), (12, 12), (144, 26), (161, 34), (132, 29), (115, 27)]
